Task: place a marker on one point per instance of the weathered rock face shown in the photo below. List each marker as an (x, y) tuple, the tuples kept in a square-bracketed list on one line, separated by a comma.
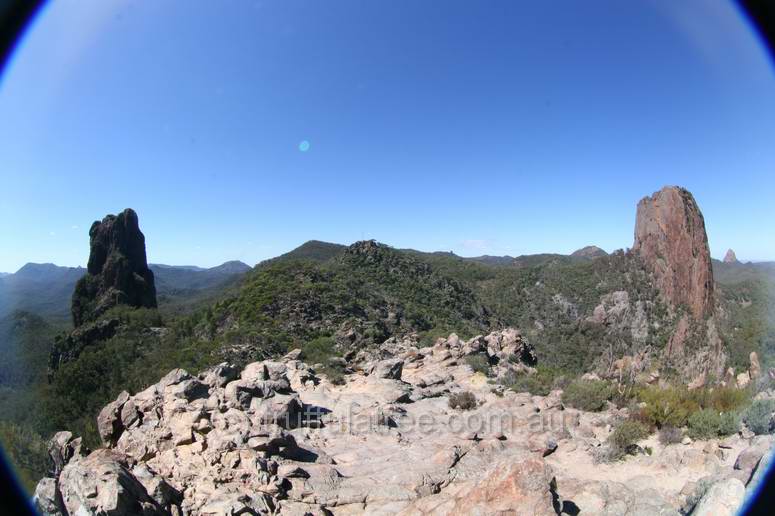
[(117, 272), (670, 238), (276, 437), (730, 257)]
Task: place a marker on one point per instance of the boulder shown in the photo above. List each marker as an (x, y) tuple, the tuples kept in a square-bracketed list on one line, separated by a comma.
[(748, 459), (61, 448), (219, 375), (100, 484), (523, 487), (724, 498), (755, 371), (158, 488), (284, 411), (109, 423), (390, 369), (47, 500), (743, 379)]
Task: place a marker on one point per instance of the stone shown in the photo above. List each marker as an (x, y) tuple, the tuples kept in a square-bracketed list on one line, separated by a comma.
[(698, 382), (743, 379), (724, 498), (266, 370), (543, 444), (46, 499), (166, 496), (129, 414), (282, 410), (219, 375), (100, 484), (61, 448), (748, 459), (295, 354), (755, 371), (109, 421), (390, 369), (510, 488), (670, 239)]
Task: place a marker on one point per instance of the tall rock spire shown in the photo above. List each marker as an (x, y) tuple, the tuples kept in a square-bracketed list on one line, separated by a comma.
[(670, 238), (118, 271)]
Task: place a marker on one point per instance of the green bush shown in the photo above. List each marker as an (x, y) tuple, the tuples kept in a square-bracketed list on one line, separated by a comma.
[(322, 350), (627, 433), (708, 423), (722, 399), (622, 440), (589, 395), (729, 423), (670, 406), (479, 364), (758, 417), (670, 435), (462, 400), (539, 383)]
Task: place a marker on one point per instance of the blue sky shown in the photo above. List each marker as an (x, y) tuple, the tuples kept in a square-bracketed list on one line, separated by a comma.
[(493, 127)]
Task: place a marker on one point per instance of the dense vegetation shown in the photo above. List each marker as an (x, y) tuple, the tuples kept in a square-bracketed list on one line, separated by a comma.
[(25, 341), (747, 293)]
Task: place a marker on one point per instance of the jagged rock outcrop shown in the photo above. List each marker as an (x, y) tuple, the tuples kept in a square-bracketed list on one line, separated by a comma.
[(276, 437), (117, 272), (730, 257), (670, 238)]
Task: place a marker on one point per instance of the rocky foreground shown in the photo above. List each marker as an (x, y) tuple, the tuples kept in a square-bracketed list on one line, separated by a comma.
[(276, 437)]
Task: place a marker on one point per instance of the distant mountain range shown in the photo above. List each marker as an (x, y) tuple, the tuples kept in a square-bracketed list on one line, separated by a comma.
[(45, 289), (319, 251)]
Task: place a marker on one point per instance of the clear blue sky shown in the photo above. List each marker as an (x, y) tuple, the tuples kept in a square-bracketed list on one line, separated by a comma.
[(495, 127)]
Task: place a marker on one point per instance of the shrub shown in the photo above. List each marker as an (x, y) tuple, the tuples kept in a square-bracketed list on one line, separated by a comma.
[(670, 435), (622, 441), (729, 423), (479, 364), (539, 383), (722, 399), (670, 406), (589, 395), (627, 433), (462, 400), (318, 350), (708, 423), (758, 417)]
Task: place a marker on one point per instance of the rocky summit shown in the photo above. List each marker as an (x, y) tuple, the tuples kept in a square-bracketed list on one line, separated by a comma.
[(411, 430), (117, 272), (670, 238), (590, 251), (730, 257)]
